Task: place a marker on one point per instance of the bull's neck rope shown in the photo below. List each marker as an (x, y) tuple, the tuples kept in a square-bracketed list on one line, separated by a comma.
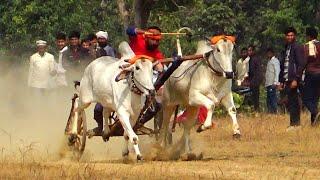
[(133, 87), (206, 59), (218, 73)]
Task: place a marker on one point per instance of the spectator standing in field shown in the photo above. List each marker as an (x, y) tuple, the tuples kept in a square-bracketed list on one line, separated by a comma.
[(272, 81), (291, 69), (311, 89), (85, 52), (242, 68), (255, 77), (61, 43), (73, 54), (93, 45), (104, 49), (41, 68)]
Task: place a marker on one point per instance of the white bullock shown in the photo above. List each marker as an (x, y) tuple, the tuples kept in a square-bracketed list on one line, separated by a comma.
[(126, 97), (206, 82)]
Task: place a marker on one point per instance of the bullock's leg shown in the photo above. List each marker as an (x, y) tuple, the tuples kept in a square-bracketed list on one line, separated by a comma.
[(106, 130), (188, 124), (228, 103), (167, 113), (198, 99), (125, 121), (125, 150)]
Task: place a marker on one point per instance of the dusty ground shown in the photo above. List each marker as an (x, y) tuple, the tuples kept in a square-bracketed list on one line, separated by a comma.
[(31, 137)]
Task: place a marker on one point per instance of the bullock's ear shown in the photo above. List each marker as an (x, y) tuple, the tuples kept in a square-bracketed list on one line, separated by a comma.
[(122, 75), (126, 69)]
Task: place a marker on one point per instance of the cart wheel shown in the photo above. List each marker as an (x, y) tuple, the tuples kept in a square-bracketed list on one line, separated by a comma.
[(77, 142)]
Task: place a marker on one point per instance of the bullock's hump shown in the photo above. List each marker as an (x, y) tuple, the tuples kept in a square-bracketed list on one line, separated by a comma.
[(125, 51)]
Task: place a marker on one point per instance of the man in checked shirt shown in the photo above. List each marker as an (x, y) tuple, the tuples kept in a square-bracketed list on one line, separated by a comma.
[(291, 70)]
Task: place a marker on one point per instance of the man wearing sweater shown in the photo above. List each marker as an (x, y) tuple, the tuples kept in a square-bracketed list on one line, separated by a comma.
[(292, 65), (311, 89)]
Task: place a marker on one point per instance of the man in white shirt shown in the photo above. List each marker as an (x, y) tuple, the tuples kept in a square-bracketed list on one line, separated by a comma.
[(41, 68), (272, 81), (61, 43), (242, 68)]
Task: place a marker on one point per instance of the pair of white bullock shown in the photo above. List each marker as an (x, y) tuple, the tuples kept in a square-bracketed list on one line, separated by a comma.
[(202, 84)]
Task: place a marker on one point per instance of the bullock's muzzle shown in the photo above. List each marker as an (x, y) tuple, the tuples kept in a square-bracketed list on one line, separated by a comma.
[(229, 75)]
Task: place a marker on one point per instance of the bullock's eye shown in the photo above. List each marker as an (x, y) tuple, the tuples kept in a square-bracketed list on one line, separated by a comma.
[(137, 68), (218, 49)]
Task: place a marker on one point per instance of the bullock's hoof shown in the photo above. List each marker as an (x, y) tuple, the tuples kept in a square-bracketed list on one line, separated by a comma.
[(125, 154), (202, 128), (200, 156), (105, 137), (72, 139), (236, 136), (188, 157), (139, 158), (199, 130)]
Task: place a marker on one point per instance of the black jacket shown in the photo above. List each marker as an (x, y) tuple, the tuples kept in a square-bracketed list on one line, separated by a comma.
[(297, 63), (255, 72)]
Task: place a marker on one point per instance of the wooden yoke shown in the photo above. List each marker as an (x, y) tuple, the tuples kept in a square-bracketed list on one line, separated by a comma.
[(184, 58)]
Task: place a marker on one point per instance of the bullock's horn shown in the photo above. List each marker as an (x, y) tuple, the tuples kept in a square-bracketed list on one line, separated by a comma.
[(155, 63), (124, 66), (207, 38)]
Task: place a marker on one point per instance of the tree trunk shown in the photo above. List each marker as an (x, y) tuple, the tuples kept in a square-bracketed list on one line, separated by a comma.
[(142, 10), (124, 13)]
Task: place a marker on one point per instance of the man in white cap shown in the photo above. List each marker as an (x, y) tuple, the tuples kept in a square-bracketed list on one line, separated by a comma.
[(41, 68), (104, 49)]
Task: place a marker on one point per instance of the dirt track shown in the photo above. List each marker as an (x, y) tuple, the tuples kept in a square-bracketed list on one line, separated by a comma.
[(31, 136)]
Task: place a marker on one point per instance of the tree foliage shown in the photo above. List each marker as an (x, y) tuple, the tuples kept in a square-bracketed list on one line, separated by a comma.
[(253, 22)]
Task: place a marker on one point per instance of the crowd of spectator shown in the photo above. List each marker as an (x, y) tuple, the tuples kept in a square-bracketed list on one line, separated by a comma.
[(295, 74)]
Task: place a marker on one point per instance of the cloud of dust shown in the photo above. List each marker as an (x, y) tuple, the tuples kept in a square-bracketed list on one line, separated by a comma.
[(37, 121)]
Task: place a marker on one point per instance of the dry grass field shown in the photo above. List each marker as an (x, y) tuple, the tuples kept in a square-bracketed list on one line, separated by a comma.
[(265, 151), (31, 141)]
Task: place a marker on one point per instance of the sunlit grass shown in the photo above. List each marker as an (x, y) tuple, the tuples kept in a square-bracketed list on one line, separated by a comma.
[(265, 151)]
